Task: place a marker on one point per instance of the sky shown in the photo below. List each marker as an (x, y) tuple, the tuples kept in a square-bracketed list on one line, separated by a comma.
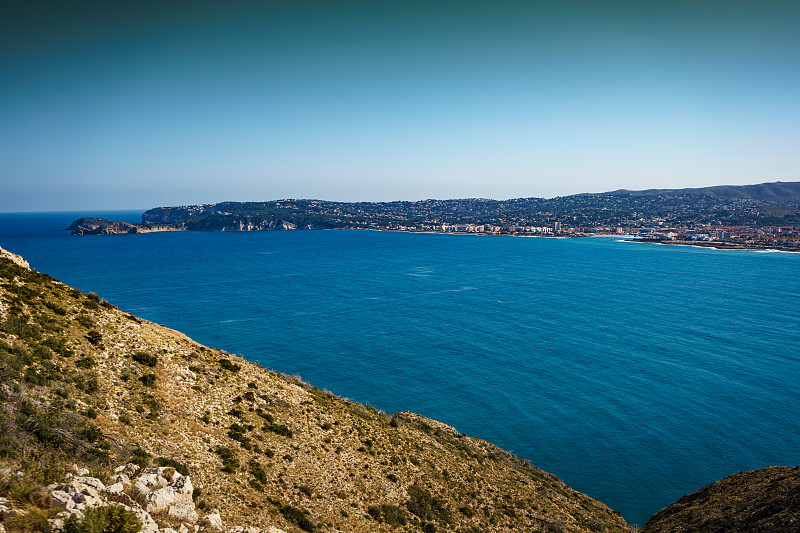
[(132, 105)]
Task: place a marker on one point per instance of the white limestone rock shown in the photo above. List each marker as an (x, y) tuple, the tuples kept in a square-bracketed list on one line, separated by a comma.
[(212, 520), (92, 482), (183, 488), (128, 469), (151, 480), (184, 512), (62, 500), (115, 488), (161, 499)]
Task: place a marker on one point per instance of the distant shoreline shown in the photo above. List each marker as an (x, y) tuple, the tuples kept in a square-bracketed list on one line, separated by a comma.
[(717, 245)]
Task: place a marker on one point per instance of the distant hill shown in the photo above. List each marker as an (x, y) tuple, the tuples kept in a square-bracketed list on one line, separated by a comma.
[(767, 204), (778, 191)]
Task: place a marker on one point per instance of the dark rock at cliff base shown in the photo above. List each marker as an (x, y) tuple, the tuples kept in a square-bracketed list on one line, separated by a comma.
[(101, 226), (765, 500)]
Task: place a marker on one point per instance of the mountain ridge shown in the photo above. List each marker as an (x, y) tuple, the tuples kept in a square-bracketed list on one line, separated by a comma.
[(775, 203), (777, 191)]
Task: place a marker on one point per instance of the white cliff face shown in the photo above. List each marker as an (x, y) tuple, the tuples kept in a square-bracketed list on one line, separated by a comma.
[(14, 258)]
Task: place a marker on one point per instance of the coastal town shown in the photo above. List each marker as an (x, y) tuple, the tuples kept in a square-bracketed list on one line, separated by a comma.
[(753, 216), (777, 237)]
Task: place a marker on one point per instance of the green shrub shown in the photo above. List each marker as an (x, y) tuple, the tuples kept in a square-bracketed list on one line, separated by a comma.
[(266, 416), (426, 506), (58, 345), (257, 471), (140, 457), (88, 383), (227, 364), (393, 515), (94, 337), (148, 380), (145, 359), (85, 321), (85, 362), (237, 433), (35, 378), (180, 467), (54, 307), (278, 429), (299, 517), (111, 519), (19, 326), (374, 511), (91, 433), (229, 460)]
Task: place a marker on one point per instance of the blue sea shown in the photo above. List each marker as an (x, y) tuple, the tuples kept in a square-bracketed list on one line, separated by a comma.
[(635, 372)]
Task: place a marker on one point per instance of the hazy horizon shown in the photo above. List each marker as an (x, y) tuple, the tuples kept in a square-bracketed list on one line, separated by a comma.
[(106, 106)]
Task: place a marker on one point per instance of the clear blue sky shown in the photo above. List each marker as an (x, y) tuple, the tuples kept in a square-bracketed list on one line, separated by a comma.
[(123, 105)]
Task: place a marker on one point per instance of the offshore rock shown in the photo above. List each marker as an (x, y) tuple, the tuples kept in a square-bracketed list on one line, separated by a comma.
[(101, 226)]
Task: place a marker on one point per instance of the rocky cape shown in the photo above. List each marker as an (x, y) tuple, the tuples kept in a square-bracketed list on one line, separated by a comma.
[(106, 416), (104, 226)]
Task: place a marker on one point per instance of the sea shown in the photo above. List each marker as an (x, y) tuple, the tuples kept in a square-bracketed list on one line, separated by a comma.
[(635, 372)]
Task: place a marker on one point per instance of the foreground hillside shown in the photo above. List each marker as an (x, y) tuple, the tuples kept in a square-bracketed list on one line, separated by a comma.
[(765, 500), (85, 386)]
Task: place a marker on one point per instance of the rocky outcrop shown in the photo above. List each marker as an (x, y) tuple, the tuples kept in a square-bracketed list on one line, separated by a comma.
[(101, 226), (160, 498), (16, 259)]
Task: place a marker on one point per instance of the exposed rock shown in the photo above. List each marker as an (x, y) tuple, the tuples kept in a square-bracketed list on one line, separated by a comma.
[(6, 511), (184, 512), (128, 469), (115, 488), (16, 259), (101, 226), (161, 499), (94, 483), (212, 520)]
